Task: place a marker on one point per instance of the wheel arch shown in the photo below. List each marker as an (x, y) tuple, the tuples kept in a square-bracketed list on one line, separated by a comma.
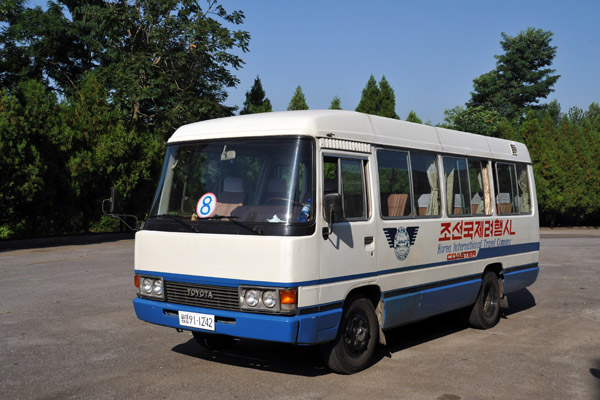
[(497, 269), (370, 291)]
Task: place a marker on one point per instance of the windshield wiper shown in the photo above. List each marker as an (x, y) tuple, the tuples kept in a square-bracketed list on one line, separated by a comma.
[(189, 226), (233, 218)]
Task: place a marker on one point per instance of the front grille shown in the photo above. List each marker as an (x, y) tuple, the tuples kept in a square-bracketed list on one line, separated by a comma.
[(222, 298)]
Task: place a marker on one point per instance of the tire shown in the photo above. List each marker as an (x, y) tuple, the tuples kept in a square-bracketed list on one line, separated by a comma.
[(213, 341), (485, 313), (356, 340)]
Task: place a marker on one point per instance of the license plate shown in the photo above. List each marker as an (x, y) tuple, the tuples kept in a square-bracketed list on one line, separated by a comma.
[(197, 320)]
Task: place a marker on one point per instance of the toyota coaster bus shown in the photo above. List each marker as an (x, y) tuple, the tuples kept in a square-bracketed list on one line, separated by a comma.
[(330, 227)]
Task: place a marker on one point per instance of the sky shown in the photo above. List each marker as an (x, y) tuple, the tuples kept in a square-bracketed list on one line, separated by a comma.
[(429, 51)]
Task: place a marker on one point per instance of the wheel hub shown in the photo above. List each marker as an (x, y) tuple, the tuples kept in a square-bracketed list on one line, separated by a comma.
[(357, 334)]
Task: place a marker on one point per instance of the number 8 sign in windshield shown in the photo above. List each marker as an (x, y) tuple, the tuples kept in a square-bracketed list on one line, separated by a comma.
[(207, 205)]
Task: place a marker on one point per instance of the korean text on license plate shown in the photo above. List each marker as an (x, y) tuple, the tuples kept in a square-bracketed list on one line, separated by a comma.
[(197, 320)]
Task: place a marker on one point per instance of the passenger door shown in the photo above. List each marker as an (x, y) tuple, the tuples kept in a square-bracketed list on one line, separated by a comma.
[(349, 250)]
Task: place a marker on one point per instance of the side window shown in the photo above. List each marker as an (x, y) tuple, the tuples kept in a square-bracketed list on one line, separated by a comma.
[(458, 191), (506, 189), (394, 183), (467, 187), (353, 189), (426, 184), (347, 177)]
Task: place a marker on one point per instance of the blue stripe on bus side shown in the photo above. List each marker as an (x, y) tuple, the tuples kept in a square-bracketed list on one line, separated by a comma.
[(492, 252), (518, 278), (428, 300)]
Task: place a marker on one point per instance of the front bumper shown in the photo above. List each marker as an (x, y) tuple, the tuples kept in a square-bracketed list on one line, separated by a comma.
[(301, 329)]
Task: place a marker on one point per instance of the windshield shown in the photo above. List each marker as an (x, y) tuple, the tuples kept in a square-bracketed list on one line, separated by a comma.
[(262, 181)]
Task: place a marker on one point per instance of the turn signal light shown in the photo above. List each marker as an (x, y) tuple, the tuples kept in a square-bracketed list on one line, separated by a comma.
[(288, 296)]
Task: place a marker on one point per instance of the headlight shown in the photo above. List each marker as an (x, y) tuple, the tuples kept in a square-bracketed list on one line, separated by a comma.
[(147, 287), (157, 288), (269, 300), (151, 287), (252, 298)]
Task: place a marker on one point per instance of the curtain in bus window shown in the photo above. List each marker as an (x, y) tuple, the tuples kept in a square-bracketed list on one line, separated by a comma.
[(458, 196), (524, 200), (476, 180), (449, 188), (433, 208), (487, 188), (506, 195)]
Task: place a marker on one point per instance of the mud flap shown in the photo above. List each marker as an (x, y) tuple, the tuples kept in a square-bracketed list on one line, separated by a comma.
[(379, 313), (503, 298), (504, 302)]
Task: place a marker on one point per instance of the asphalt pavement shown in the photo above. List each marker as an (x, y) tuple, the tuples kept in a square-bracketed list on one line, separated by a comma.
[(68, 330)]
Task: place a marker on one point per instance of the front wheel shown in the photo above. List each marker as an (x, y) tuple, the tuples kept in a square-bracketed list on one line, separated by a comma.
[(486, 310), (358, 334)]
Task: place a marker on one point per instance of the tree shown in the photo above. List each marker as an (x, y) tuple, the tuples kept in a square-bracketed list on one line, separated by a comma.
[(369, 101), (412, 117), (593, 116), (256, 100), (378, 99), (164, 63), (387, 100), (103, 153), (522, 75), (477, 119), (32, 184), (298, 101), (90, 91), (336, 103)]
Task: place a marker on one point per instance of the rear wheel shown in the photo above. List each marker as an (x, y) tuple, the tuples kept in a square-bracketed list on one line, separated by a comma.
[(358, 334), (213, 341), (485, 313)]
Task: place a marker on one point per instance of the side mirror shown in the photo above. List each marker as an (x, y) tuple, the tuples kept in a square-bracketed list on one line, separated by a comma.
[(113, 200), (334, 212)]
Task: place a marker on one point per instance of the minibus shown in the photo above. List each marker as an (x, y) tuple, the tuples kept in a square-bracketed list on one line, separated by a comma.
[(331, 227)]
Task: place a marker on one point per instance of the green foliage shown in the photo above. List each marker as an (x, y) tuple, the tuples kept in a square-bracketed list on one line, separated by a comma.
[(91, 90), (412, 117), (378, 99), (31, 178), (522, 75), (479, 119), (369, 101), (298, 101), (387, 100), (167, 63), (565, 163), (164, 63), (336, 103), (256, 100), (104, 153)]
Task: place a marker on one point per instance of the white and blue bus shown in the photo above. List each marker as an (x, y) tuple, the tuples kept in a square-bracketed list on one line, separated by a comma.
[(330, 227)]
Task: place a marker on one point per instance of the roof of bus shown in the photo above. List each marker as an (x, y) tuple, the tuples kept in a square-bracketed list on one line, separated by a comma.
[(354, 126)]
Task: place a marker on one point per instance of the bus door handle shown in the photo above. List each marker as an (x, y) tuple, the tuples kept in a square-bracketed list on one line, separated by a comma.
[(369, 243)]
